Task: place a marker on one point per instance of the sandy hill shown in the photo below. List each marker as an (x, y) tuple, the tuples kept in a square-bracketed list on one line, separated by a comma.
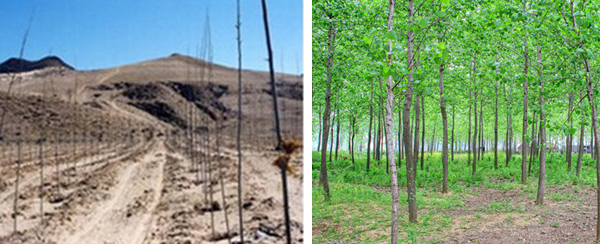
[(165, 91)]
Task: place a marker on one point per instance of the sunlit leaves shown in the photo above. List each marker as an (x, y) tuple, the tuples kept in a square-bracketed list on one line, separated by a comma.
[(391, 35)]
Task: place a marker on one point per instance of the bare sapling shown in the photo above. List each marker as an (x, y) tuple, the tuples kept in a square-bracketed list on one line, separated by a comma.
[(18, 176), (272, 76), (238, 27), (41, 140), (221, 176)]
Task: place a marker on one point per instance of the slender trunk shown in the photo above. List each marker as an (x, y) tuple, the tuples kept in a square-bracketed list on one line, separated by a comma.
[(417, 117), (381, 123), (581, 135), (524, 132), (432, 148), (475, 116), (370, 127), (385, 135), (569, 149), (377, 136), (330, 50), (332, 137), (533, 142), (452, 147), (352, 138), (18, 177), (410, 161), (41, 158), (320, 129), (542, 176), (349, 134), (590, 94), (56, 163), (389, 143), (469, 136), (272, 76), (445, 131), (481, 146), (399, 134), (507, 140), (496, 129), (337, 140), (423, 132), (511, 139)]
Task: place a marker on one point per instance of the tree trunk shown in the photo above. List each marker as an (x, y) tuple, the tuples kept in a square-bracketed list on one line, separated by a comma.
[(370, 127), (399, 134), (378, 137), (41, 158), (524, 132), (590, 94), (320, 129), (350, 131), (475, 110), (452, 146), (410, 161), (432, 147), (388, 129), (330, 50), (18, 176), (496, 128), (337, 140), (445, 132), (417, 121), (331, 145), (542, 176), (469, 136), (533, 141), (569, 149), (352, 138), (581, 134), (480, 151), (423, 132)]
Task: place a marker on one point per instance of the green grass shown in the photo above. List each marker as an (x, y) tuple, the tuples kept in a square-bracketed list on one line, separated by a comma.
[(359, 210)]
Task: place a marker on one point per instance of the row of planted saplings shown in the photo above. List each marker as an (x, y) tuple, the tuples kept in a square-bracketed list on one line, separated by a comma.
[(22, 154)]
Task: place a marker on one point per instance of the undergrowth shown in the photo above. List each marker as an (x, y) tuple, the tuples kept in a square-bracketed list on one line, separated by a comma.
[(359, 210)]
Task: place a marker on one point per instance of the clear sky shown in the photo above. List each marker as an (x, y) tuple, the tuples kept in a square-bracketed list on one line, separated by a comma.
[(107, 33)]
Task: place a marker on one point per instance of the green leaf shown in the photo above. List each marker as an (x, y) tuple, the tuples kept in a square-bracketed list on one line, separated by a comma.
[(367, 40), (427, 91), (391, 35), (441, 14), (423, 23), (442, 45), (446, 2), (445, 54)]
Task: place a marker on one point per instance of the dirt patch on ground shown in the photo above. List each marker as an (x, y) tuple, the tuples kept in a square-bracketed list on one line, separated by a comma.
[(323, 228), (496, 216)]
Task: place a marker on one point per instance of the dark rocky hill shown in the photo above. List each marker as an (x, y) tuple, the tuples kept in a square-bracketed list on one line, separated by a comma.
[(13, 65)]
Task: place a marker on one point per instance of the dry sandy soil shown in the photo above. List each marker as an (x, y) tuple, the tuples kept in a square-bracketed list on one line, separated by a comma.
[(117, 162)]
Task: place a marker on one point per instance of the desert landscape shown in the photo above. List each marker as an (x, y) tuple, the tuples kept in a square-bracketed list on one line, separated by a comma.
[(145, 153)]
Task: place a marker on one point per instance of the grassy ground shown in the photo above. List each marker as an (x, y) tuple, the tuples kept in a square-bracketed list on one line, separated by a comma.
[(491, 201)]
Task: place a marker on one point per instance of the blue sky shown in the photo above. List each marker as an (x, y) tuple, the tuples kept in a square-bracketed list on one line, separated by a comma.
[(103, 34)]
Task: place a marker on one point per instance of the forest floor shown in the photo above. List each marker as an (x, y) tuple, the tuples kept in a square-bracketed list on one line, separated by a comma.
[(490, 207)]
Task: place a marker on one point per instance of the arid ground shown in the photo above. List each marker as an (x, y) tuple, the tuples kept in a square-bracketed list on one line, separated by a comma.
[(107, 156)]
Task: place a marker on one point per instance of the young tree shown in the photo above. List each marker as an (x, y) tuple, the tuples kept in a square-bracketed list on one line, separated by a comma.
[(388, 129)]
